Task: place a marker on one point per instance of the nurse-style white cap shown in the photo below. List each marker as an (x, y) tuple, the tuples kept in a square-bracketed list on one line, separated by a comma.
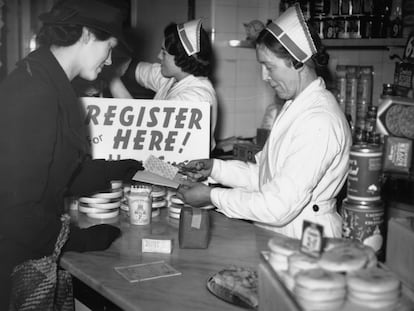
[(291, 31), (189, 34)]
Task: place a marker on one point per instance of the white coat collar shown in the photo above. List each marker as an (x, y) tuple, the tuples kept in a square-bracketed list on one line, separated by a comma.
[(298, 102)]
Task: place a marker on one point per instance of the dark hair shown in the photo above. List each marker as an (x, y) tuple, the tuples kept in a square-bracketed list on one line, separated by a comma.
[(319, 60), (199, 64), (65, 35)]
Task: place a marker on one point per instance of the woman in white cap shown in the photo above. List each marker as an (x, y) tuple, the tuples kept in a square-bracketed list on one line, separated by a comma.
[(304, 163), (186, 64), (44, 151)]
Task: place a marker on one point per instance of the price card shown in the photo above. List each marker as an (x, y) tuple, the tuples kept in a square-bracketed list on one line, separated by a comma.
[(147, 271), (312, 238)]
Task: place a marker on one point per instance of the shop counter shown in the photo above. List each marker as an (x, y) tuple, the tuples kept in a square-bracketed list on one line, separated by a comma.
[(233, 242)]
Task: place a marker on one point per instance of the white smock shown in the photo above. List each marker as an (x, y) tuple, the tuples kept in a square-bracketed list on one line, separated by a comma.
[(299, 172), (191, 88)]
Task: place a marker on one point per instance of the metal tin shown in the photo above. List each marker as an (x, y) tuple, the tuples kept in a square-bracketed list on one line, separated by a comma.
[(140, 205), (364, 176), (329, 30), (364, 222)]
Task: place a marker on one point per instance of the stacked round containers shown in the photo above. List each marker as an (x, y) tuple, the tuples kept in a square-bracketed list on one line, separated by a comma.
[(351, 94), (362, 209)]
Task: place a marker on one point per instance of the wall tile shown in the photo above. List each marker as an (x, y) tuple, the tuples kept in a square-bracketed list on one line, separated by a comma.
[(246, 125), (226, 19), (247, 72)]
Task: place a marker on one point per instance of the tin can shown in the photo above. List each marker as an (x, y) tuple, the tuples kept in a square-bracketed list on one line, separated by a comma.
[(329, 30), (351, 93), (371, 120), (345, 7), (140, 205), (341, 85), (364, 222), (364, 176)]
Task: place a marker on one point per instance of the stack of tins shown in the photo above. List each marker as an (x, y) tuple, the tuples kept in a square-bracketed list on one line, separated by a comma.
[(354, 93), (362, 209)]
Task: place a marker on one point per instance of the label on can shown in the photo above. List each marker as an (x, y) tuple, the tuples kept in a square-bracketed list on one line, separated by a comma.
[(364, 176), (140, 209), (365, 223)]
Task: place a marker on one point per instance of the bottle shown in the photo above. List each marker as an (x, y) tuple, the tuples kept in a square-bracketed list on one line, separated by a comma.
[(371, 121), (140, 204)]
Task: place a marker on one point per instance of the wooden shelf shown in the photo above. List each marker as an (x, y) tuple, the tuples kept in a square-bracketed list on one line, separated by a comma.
[(364, 43), (377, 43)]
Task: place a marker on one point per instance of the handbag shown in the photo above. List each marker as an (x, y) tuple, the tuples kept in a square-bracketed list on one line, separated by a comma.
[(39, 284)]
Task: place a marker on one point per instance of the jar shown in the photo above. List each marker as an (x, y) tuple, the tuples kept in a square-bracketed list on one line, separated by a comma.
[(343, 27), (387, 89), (366, 26), (329, 30)]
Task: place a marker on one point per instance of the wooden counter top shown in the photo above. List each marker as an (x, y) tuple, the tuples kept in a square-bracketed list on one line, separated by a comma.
[(233, 242)]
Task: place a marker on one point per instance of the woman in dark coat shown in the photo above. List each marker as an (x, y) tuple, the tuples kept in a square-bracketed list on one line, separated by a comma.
[(43, 154)]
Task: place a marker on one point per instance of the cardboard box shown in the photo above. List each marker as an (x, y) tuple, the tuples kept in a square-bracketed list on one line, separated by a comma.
[(246, 151), (400, 249), (194, 229)]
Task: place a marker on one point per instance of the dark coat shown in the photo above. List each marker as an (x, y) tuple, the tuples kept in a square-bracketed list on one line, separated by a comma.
[(43, 151)]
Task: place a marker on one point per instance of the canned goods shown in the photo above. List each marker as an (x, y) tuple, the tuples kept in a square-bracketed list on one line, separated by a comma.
[(329, 31), (341, 85), (361, 110), (319, 7), (379, 27), (140, 205), (371, 120), (346, 7), (364, 222), (366, 26), (359, 136), (334, 7), (354, 27), (342, 24), (356, 7), (364, 90), (351, 93), (388, 89), (364, 176)]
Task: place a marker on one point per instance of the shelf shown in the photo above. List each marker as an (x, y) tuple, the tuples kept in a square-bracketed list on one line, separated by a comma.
[(241, 44), (364, 43), (377, 43)]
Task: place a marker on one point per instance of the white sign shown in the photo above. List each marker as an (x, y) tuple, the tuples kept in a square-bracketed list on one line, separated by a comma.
[(174, 131)]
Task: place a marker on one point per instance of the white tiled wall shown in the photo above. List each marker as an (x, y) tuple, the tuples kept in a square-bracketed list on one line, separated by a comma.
[(243, 96)]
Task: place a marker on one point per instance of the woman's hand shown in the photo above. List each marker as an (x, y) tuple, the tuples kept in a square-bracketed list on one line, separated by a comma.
[(197, 170), (194, 193)]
